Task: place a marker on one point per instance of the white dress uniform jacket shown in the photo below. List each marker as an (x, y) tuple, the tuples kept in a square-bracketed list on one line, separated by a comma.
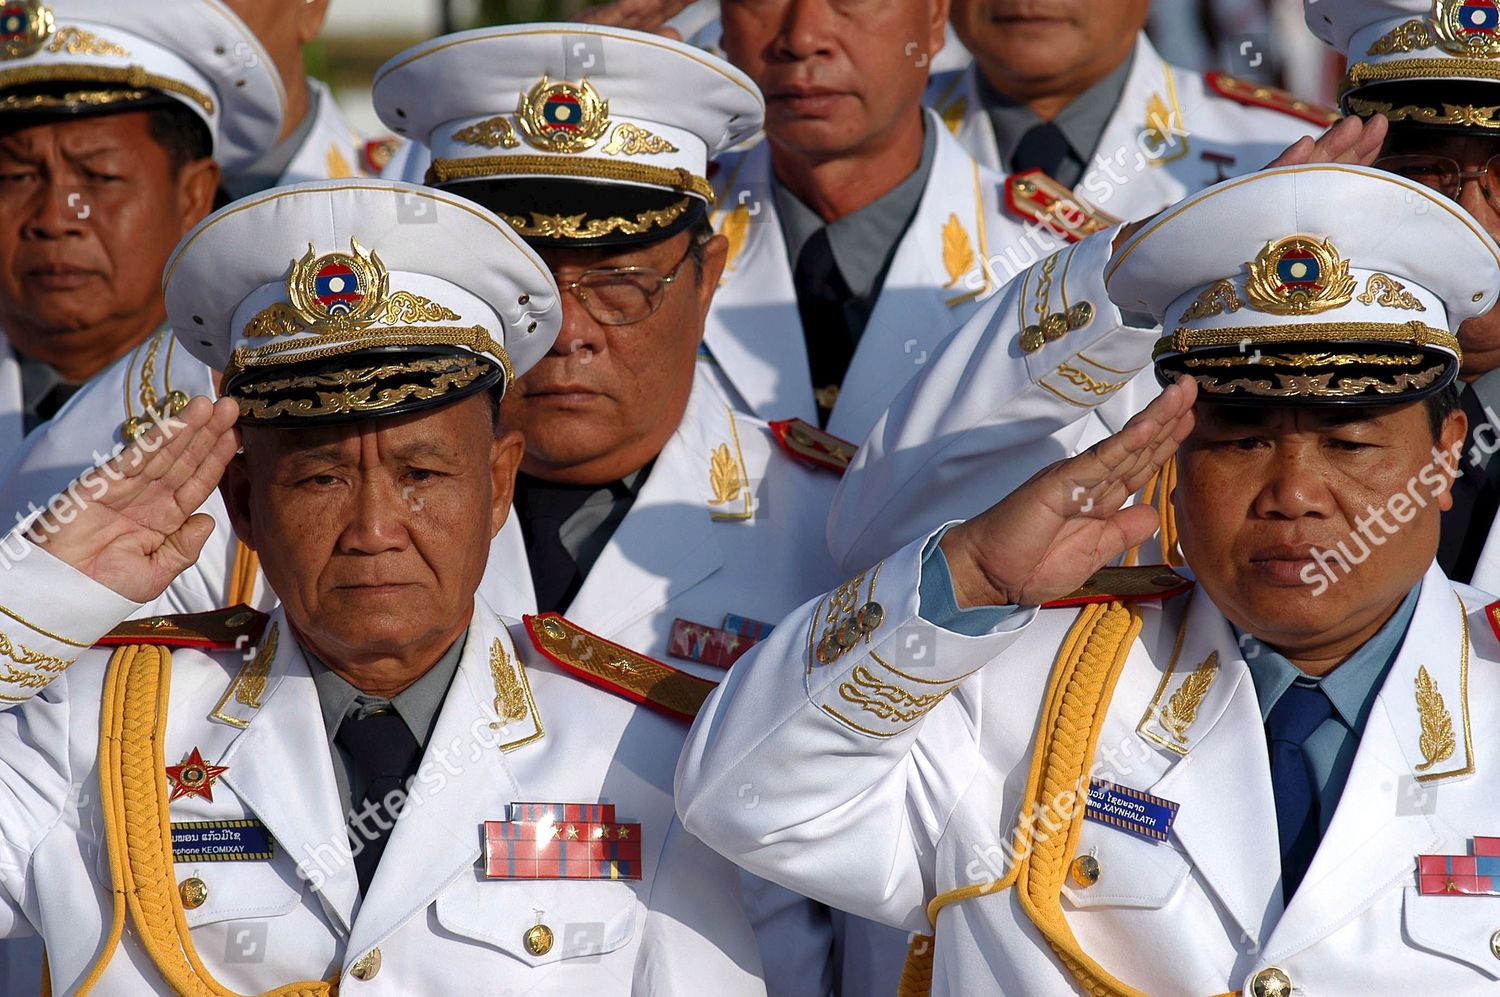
[(431, 923), (896, 773), (726, 522), (985, 414), (332, 148), (1173, 132), (757, 355)]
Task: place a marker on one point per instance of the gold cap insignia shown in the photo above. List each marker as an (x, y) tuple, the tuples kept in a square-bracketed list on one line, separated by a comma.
[(562, 116), (1298, 275), (337, 288), (25, 26), (1466, 27)]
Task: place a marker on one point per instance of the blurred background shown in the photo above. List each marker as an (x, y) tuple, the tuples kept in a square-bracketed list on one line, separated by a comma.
[(1264, 40)]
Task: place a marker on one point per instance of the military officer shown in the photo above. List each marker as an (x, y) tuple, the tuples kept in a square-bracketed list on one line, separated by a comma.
[(860, 233), (254, 827), (1274, 777), (1075, 90), (648, 511), (115, 120), (1430, 68)]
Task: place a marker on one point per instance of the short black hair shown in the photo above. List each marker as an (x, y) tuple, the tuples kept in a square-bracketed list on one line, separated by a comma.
[(181, 133), (1439, 405)]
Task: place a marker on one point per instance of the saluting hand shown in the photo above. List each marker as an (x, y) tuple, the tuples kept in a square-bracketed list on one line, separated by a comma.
[(1047, 537), (131, 524)]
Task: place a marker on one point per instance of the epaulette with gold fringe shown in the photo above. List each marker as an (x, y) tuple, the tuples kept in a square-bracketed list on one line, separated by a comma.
[(811, 445), (1271, 98), (618, 669), (1136, 583), (1037, 197), (217, 630)]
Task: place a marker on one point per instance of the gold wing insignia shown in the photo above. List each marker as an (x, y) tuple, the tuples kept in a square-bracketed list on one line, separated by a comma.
[(1438, 740), (958, 251), (1182, 708)]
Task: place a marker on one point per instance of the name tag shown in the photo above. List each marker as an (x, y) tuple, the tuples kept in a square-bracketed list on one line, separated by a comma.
[(1130, 810), (221, 841)]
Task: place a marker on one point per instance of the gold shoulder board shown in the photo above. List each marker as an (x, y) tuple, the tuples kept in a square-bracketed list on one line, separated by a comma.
[(1271, 98), (218, 630), (1138, 583), (617, 668)]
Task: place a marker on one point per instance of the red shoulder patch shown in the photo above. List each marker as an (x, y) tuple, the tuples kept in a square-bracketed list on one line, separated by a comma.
[(1037, 197), (217, 630), (811, 445), (378, 153), (1138, 583), (1271, 98), (1492, 613)]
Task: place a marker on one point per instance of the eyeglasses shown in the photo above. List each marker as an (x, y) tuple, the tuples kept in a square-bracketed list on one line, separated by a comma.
[(1444, 175), (624, 295)]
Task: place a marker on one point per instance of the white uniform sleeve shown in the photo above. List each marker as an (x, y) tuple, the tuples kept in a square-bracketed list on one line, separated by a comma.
[(985, 414), (50, 614), (832, 756)]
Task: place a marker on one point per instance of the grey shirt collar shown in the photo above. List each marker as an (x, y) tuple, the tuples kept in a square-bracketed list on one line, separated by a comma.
[(418, 704), (1082, 121), (864, 241)]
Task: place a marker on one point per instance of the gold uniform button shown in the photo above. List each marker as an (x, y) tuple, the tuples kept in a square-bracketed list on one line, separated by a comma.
[(193, 892), (1031, 339), (1085, 870), (871, 615), (1271, 982), (848, 633), (1495, 945), (366, 966), (1054, 327), (539, 939), (1080, 315)]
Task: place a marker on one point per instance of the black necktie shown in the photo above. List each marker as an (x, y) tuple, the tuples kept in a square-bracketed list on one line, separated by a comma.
[(384, 755), (543, 508), (1043, 147), (1300, 711), (1476, 499), (831, 319), (47, 406)]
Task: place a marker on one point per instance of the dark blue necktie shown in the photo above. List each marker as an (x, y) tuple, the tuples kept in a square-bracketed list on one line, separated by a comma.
[(385, 756), (1300, 711)]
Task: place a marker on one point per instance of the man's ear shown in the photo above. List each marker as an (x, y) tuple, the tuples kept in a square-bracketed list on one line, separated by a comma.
[(310, 22), (234, 488), (938, 30), (506, 451), (1451, 441), (197, 183)]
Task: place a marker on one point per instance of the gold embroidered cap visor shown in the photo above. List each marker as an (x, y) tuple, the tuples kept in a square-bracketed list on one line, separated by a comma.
[(576, 134), (1322, 284), (339, 300), (1422, 63), (101, 56)]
